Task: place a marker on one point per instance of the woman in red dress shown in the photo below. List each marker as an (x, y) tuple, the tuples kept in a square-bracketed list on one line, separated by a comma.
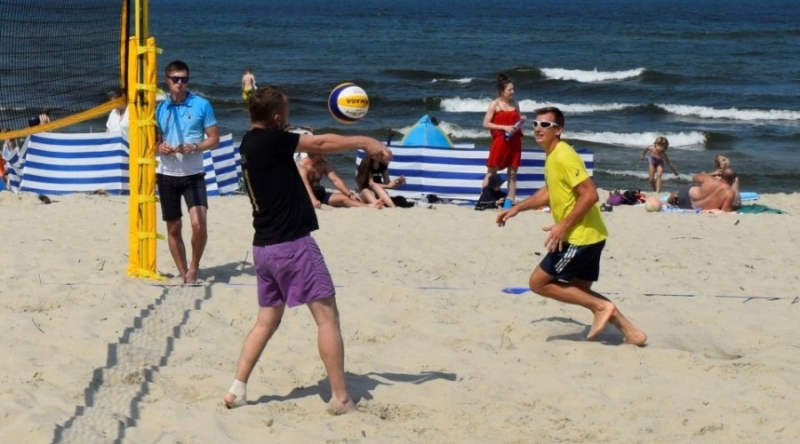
[(501, 117)]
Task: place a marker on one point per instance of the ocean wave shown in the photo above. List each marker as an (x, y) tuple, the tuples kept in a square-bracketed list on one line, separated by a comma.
[(643, 174), (415, 74), (459, 105), (463, 81), (690, 141), (730, 113), (590, 76), (455, 132)]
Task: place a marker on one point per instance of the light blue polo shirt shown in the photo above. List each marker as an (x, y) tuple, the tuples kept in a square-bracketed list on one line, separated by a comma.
[(184, 122)]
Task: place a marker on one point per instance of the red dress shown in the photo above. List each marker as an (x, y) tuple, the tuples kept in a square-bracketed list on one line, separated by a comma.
[(505, 153)]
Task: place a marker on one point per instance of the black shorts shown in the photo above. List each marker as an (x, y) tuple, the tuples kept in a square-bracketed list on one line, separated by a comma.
[(171, 188), (574, 261), (321, 194)]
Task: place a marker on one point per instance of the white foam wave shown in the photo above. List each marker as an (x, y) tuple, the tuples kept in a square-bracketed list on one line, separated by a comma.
[(463, 81), (642, 174), (730, 113), (590, 76), (692, 140), (454, 131), (466, 105)]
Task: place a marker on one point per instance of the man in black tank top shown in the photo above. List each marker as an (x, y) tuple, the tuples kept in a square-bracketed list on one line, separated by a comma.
[(290, 269)]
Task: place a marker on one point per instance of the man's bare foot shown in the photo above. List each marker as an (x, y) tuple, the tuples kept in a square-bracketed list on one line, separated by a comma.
[(601, 319), (232, 401), (637, 338), (337, 408), (191, 277)]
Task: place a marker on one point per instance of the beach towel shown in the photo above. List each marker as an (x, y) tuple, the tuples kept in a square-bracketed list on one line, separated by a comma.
[(758, 209)]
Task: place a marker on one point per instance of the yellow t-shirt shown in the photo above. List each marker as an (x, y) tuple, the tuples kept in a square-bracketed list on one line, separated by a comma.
[(563, 171)]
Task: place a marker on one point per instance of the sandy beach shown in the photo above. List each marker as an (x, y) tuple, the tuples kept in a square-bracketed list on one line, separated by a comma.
[(436, 352)]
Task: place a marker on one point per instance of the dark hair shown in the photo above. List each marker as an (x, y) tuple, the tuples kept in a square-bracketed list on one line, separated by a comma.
[(265, 102), (728, 175), (555, 111), (363, 173), (502, 81), (176, 65)]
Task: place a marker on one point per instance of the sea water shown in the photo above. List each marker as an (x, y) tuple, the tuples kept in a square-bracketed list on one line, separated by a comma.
[(714, 77)]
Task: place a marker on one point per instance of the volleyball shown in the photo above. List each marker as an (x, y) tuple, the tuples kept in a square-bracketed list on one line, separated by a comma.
[(652, 204), (348, 103)]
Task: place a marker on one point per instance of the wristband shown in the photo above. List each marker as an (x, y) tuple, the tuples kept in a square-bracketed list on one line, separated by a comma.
[(195, 147)]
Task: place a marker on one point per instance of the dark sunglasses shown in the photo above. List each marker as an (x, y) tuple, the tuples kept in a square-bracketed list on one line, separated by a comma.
[(544, 124), (177, 79)]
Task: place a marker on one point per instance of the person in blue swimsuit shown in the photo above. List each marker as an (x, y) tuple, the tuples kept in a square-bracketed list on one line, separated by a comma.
[(657, 155)]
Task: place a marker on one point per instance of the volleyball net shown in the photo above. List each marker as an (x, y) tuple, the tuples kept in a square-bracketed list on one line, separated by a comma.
[(60, 62), (68, 61)]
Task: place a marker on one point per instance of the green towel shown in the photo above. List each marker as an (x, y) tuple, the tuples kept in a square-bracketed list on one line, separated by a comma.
[(758, 209)]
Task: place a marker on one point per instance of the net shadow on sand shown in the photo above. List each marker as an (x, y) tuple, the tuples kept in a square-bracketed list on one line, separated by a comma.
[(113, 396)]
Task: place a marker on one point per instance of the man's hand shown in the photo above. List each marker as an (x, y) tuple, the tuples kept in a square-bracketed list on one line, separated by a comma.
[(317, 204), (377, 150), (555, 239), (165, 148), (505, 215)]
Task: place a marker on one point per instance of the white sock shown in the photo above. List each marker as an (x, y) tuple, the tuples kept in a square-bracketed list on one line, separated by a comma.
[(238, 388)]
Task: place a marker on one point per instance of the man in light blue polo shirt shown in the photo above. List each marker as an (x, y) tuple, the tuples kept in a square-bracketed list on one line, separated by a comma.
[(186, 128)]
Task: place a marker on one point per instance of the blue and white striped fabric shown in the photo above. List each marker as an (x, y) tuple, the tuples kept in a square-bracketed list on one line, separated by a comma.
[(59, 163), (15, 162), (457, 174), (69, 163), (227, 165)]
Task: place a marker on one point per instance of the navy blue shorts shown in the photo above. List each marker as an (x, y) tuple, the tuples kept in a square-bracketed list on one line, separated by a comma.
[(574, 261), (172, 188)]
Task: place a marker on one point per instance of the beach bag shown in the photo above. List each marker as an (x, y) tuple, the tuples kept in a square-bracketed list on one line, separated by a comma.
[(402, 202), (633, 197), (615, 198)]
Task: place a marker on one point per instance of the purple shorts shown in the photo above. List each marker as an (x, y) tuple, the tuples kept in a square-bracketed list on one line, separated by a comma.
[(292, 273)]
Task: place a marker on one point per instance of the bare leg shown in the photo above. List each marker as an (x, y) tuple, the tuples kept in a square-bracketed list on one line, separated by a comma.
[(659, 173), (632, 334), (267, 323), (512, 184), (651, 171), (384, 196), (331, 350), (545, 285), (176, 247), (489, 172), (197, 215), (340, 200)]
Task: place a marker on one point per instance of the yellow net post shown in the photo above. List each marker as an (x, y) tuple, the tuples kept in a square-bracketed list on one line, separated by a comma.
[(142, 235)]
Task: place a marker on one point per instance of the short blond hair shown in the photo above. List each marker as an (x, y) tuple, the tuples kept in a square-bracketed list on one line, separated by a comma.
[(662, 142), (721, 162)]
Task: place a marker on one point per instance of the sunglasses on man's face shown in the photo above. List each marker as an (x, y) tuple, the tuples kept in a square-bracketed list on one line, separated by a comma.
[(544, 124), (178, 79)]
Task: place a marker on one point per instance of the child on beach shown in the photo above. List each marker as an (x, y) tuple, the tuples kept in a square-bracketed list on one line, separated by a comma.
[(657, 155)]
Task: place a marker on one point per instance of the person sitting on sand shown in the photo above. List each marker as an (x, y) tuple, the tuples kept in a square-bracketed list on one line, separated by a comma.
[(491, 195), (712, 192), (372, 181), (312, 168), (720, 163), (657, 156)]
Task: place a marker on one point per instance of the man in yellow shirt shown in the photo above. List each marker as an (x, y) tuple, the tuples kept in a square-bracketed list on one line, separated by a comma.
[(576, 240)]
